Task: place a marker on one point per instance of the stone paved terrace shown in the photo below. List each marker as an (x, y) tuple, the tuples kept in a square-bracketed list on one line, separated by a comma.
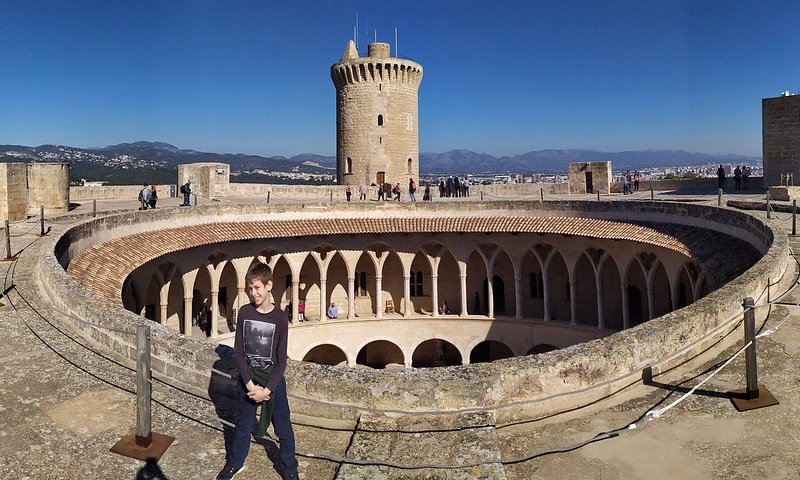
[(64, 407)]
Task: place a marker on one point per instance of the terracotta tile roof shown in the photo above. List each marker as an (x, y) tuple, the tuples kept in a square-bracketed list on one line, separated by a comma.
[(103, 267)]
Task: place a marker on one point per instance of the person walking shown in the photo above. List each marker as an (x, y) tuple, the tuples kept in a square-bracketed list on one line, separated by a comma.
[(144, 197), (362, 191), (396, 192), (153, 200), (348, 192)]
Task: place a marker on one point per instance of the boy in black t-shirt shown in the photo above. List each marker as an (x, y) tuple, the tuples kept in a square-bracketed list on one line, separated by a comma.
[(260, 352)]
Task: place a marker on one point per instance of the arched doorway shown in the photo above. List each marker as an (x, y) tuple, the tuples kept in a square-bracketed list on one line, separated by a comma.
[(326, 354), (489, 351), (379, 354), (435, 353), (498, 294)]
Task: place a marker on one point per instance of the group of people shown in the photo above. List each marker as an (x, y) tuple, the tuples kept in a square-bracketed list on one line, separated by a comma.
[(394, 193), (630, 182), (741, 175), (453, 187), (148, 197)]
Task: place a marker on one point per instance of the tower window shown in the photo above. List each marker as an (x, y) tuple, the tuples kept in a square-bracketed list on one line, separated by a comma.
[(348, 168), (380, 120), (409, 166)]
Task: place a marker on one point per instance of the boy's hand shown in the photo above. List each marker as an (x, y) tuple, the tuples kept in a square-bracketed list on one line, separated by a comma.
[(261, 394)]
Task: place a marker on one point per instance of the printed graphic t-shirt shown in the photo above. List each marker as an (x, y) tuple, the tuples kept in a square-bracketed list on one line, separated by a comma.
[(261, 340)]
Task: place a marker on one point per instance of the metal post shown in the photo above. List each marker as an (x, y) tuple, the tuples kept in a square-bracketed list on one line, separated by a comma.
[(8, 241), (481, 195), (41, 219), (541, 194), (719, 197), (768, 215), (651, 193), (143, 417), (94, 207), (195, 199), (268, 196), (598, 195), (794, 217), (750, 351), (331, 196)]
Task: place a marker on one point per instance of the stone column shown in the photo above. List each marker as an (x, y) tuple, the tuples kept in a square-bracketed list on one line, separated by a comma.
[(651, 301), (187, 316), (573, 304), (323, 299), (517, 296), (295, 299), (490, 296), (214, 313), (435, 294), (379, 296), (406, 295), (626, 314), (546, 297), (351, 297), (162, 313), (463, 279), (601, 323)]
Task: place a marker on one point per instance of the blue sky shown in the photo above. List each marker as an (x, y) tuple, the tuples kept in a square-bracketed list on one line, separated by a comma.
[(501, 77)]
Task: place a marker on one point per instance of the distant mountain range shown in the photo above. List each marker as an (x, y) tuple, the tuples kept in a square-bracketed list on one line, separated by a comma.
[(132, 162)]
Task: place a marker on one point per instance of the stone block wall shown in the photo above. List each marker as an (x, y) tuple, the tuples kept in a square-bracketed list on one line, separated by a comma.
[(209, 180), (49, 187), (13, 191), (581, 172), (780, 124), (514, 389)]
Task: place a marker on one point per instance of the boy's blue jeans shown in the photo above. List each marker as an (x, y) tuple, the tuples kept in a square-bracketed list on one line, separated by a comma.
[(240, 446)]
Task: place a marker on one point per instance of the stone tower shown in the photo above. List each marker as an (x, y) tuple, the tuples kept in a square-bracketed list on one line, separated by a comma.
[(780, 126), (377, 132)]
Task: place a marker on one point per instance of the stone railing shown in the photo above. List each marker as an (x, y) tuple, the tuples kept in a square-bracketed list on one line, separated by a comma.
[(513, 389)]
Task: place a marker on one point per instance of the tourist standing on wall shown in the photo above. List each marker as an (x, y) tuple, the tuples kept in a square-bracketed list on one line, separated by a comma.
[(362, 191), (381, 195), (720, 177), (737, 178), (259, 349), (186, 190), (348, 192), (465, 186), (396, 191), (442, 188), (412, 190), (426, 197), (636, 178), (745, 176)]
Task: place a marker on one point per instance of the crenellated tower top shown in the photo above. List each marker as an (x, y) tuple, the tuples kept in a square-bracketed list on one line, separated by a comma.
[(377, 66)]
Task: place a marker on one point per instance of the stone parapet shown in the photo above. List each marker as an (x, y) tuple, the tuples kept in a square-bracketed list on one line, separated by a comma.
[(514, 389)]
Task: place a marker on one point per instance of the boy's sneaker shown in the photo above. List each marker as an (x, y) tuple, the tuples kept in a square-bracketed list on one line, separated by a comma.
[(229, 471), (293, 476)]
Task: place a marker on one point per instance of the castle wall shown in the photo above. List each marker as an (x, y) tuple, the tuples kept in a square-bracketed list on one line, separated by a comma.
[(14, 188), (49, 187), (780, 123), (580, 174), (376, 117)]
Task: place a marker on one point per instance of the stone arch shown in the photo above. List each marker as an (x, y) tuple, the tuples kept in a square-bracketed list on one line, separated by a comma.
[(586, 291), (532, 286), (541, 348), (421, 296), (612, 294), (489, 351), (309, 287), (175, 311), (558, 288), (435, 353), (336, 283), (380, 353), (392, 281), (326, 354), (477, 277), (228, 283), (449, 281), (504, 269), (636, 288), (662, 293), (685, 293), (282, 285)]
